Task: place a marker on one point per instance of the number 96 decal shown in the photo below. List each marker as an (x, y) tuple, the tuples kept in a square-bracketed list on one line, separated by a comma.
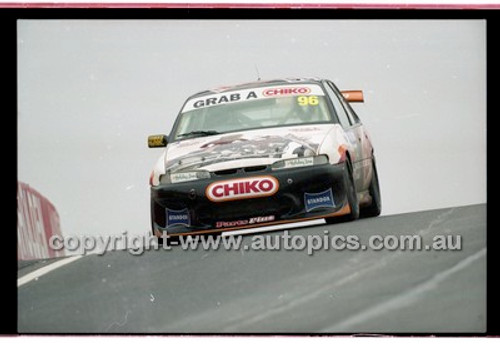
[(307, 100)]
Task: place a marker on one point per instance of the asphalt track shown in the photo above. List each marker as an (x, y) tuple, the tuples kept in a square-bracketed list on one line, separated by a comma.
[(275, 292)]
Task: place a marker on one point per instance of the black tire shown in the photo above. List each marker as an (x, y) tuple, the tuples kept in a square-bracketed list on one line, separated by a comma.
[(352, 197), (374, 209)]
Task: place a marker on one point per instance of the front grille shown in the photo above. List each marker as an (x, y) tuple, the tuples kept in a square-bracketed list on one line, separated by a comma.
[(226, 171), (254, 169), (243, 170)]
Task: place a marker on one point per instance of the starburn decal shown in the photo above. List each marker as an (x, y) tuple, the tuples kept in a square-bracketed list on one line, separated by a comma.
[(319, 200), (242, 222), (178, 217), (242, 188)]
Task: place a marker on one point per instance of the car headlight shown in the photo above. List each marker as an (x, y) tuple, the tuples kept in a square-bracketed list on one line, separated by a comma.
[(300, 162), (181, 177)]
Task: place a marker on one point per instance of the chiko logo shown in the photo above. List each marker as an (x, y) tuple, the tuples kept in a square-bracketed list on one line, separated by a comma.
[(243, 188), (177, 217), (286, 91), (319, 200)]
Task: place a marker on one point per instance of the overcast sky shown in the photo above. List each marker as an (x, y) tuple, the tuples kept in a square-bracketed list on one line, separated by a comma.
[(90, 92)]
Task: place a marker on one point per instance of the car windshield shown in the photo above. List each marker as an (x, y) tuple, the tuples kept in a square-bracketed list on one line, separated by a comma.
[(215, 114)]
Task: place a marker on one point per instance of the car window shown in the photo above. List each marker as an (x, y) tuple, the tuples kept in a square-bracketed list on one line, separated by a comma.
[(348, 108), (339, 108), (352, 114), (264, 112)]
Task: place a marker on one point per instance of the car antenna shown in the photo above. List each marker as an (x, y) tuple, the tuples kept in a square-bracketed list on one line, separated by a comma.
[(258, 74)]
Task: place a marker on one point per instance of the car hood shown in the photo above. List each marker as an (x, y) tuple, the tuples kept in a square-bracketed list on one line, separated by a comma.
[(245, 148)]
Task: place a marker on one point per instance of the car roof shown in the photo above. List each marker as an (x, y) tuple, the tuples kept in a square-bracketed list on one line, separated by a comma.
[(256, 84)]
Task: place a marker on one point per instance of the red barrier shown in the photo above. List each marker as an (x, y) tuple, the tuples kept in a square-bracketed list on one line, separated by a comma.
[(37, 221)]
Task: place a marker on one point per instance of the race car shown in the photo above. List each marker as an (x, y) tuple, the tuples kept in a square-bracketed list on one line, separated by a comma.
[(263, 153)]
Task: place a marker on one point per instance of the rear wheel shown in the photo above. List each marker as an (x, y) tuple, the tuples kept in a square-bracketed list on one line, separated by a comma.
[(375, 207), (352, 197)]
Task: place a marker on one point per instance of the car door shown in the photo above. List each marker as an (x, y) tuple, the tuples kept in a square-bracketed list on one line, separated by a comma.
[(353, 132), (363, 140)]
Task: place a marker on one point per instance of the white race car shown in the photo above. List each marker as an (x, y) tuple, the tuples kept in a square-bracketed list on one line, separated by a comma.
[(267, 152)]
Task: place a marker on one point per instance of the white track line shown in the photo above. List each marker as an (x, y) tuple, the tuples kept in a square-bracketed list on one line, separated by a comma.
[(44, 270), (275, 227), (406, 298)]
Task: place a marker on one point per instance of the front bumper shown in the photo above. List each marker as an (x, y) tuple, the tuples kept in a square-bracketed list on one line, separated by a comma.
[(189, 210)]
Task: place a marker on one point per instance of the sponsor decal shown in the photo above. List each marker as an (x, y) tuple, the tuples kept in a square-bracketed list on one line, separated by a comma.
[(219, 99), (305, 129), (293, 90), (252, 94), (241, 222), (180, 217), (242, 188), (299, 162), (308, 100), (211, 101), (319, 200)]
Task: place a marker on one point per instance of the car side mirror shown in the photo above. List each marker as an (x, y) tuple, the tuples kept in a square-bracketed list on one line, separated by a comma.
[(353, 95), (158, 140)]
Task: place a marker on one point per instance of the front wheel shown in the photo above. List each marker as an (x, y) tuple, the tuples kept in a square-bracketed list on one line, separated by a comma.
[(352, 196), (375, 207)]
